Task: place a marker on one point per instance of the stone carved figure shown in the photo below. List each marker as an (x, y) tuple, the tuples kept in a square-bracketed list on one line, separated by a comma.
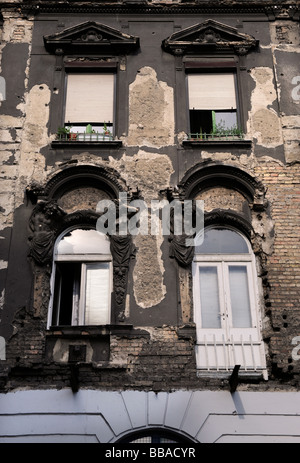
[(42, 227)]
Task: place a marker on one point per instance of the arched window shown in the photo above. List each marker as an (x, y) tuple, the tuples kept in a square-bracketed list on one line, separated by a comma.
[(154, 436), (81, 279), (226, 303)]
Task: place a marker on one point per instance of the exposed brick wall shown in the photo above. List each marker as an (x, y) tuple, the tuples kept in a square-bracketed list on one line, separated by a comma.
[(283, 183)]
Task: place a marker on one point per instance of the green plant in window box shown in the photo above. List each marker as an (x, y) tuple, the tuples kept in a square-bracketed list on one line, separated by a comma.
[(89, 129), (90, 133), (221, 131), (64, 133), (106, 131)]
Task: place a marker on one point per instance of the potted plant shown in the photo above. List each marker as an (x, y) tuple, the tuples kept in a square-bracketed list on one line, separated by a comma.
[(65, 133), (89, 134), (106, 132)]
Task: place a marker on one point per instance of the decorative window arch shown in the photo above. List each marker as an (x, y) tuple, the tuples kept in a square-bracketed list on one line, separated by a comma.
[(155, 436), (68, 202), (226, 307)]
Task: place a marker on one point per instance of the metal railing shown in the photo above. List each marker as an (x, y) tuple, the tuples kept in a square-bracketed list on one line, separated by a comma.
[(224, 354), (85, 137), (217, 136)]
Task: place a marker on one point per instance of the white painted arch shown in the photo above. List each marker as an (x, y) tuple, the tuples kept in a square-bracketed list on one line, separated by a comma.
[(106, 417)]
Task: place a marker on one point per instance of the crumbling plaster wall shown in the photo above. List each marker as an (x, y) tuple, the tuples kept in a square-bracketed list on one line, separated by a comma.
[(151, 130), (16, 33), (285, 46), (15, 48), (148, 166)]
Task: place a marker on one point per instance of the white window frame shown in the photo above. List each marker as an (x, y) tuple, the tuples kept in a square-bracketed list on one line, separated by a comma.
[(78, 309), (220, 349), (211, 107)]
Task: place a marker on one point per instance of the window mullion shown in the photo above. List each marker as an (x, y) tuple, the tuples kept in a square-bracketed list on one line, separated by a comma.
[(227, 304), (76, 300)]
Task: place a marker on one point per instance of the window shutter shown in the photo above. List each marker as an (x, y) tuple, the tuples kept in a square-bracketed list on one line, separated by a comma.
[(89, 98), (97, 294), (212, 91)]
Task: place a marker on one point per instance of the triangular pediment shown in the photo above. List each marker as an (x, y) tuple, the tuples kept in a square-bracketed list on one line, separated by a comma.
[(208, 36), (91, 37)]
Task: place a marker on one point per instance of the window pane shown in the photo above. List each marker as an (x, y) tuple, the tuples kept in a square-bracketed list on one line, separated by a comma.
[(97, 294), (81, 241), (89, 98), (222, 241), (209, 297), (215, 91), (239, 294), (66, 292), (225, 119), (201, 121)]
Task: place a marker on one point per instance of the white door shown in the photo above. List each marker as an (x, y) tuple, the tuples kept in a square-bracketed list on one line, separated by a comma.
[(244, 339), (210, 318), (226, 316)]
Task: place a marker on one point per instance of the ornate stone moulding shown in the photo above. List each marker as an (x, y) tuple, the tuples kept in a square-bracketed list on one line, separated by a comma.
[(91, 37), (209, 36)]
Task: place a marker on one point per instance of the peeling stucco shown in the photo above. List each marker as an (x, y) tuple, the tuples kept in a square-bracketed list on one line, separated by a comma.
[(150, 172), (151, 111), (264, 123), (34, 138), (16, 29)]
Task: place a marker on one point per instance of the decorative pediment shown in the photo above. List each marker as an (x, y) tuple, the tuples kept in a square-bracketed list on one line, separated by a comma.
[(209, 36), (91, 37)]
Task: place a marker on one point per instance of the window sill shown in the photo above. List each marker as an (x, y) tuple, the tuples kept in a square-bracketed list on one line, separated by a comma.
[(87, 331), (111, 144), (244, 376), (195, 143)]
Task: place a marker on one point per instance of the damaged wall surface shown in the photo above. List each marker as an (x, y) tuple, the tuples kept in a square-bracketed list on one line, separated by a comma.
[(50, 184)]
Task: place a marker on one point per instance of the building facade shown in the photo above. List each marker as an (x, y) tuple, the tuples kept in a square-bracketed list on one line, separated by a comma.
[(118, 322)]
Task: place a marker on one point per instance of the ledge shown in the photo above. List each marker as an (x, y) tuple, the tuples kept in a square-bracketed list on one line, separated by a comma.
[(113, 144), (94, 331), (241, 143), (244, 376), (86, 331)]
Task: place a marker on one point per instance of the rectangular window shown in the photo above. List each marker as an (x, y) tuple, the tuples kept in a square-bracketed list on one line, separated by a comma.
[(82, 293), (89, 100), (226, 316), (212, 103)]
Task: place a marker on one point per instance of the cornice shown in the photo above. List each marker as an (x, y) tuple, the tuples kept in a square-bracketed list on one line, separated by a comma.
[(273, 10)]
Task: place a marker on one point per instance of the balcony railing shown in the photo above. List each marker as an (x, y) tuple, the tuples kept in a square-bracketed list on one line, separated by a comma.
[(85, 137), (216, 136)]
